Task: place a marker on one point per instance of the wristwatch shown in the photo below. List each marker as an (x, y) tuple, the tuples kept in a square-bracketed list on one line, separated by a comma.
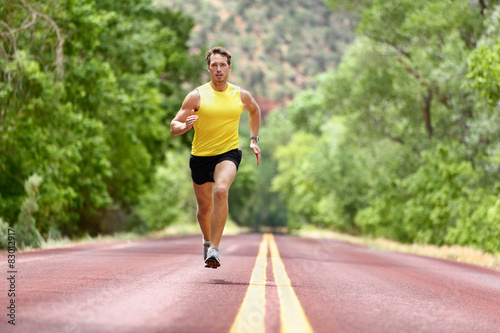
[(256, 138)]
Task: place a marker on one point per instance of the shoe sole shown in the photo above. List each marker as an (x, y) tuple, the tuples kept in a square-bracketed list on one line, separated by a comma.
[(212, 263)]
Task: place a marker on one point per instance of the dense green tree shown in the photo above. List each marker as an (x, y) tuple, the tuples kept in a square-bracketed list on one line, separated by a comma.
[(414, 155), (87, 91)]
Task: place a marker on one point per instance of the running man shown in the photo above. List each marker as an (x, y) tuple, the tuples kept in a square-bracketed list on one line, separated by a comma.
[(214, 110)]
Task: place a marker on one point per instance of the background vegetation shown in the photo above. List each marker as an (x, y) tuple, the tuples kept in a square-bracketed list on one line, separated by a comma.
[(278, 45), (397, 135), (403, 140), (83, 93)]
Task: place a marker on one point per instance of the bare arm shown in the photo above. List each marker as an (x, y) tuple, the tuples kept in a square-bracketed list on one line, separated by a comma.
[(185, 118), (254, 111)]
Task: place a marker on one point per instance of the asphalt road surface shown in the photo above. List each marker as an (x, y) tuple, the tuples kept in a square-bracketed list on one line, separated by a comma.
[(265, 283)]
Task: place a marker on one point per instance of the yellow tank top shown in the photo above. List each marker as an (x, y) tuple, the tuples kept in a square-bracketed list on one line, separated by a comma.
[(216, 130)]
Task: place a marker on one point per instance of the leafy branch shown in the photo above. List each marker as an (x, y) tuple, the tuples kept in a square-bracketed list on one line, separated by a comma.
[(11, 34)]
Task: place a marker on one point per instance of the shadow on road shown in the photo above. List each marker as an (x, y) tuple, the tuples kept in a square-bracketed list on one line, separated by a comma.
[(221, 281)]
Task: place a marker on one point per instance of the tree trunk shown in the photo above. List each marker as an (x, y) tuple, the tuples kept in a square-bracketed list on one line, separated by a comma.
[(427, 112)]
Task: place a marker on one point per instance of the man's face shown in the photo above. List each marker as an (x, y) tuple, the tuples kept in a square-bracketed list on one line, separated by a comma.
[(218, 68)]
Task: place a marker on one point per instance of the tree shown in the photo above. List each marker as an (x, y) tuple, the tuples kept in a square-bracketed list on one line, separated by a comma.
[(416, 157), (84, 90)]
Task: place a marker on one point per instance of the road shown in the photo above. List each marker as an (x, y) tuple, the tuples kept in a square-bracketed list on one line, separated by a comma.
[(266, 283)]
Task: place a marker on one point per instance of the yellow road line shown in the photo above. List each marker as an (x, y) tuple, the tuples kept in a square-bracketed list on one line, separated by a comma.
[(251, 315), (293, 318)]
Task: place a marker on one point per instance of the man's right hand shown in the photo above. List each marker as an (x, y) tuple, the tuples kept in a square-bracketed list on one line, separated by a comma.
[(185, 118), (191, 120)]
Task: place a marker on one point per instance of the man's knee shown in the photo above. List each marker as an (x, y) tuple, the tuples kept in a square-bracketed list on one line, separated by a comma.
[(221, 192), (205, 208)]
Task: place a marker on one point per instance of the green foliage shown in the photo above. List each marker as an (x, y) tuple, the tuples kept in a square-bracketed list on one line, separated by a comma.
[(477, 221), (434, 194), (26, 232), (300, 38), (170, 198), (292, 181), (347, 5), (440, 203), (250, 201), (400, 140), (305, 112), (240, 193), (84, 88), (485, 73), (4, 234), (403, 139)]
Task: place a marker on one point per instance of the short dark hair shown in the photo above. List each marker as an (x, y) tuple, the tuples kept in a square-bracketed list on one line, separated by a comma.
[(219, 50)]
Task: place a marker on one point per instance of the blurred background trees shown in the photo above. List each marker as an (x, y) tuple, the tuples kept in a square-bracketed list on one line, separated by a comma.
[(278, 46), (87, 91), (409, 144), (392, 133)]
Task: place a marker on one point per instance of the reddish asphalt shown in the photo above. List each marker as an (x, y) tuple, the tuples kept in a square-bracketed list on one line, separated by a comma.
[(163, 286)]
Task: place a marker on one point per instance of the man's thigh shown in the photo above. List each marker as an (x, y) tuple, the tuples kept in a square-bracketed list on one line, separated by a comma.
[(224, 173), (203, 193)]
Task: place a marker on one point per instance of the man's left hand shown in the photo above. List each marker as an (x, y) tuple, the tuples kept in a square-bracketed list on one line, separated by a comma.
[(256, 150)]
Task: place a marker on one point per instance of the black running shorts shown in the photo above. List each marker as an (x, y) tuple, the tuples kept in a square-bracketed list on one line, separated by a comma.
[(203, 167)]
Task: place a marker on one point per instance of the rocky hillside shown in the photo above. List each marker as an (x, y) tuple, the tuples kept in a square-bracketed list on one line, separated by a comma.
[(278, 45)]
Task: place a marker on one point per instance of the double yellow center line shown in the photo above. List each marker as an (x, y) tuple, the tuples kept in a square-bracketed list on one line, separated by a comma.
[(251, 316)]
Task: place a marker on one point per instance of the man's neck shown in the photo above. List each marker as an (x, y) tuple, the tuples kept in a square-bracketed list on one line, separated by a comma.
[(219, 86)]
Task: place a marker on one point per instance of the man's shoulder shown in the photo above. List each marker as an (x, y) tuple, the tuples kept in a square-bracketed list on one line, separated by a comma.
[(203, 87), (245, 93), (193, 97), (233, 86), (194, 93)]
